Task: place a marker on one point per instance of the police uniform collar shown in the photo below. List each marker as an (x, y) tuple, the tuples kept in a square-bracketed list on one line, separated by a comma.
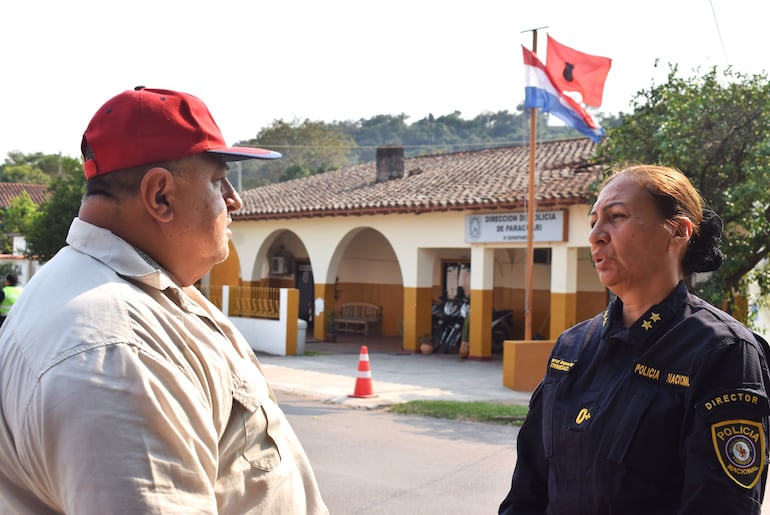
[(648, 326)]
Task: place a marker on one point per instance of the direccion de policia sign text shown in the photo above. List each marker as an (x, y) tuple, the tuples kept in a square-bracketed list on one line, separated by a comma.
[(503, 227)]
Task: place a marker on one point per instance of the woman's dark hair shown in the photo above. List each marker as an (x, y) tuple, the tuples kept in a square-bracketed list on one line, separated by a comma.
[(704, 254), (674, 195)]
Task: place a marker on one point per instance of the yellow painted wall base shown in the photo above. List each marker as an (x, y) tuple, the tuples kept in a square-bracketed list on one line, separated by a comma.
[(325, 292), (524, 363), (563, 312), (480, 326), (390, 297), (417, 317), (292, 301), (226, 272)]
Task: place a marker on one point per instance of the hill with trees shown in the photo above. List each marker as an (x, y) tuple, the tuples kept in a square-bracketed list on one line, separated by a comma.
[(311, 147)]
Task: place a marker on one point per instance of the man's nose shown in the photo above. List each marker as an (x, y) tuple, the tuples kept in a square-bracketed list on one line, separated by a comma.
[(232, 198)]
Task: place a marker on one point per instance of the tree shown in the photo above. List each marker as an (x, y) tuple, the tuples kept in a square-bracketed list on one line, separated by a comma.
[(9, 268), (311, 147), (308, 147), (37, 168), (17, 219), (716, 129), (23, 173), (379, 130), (47, 234)]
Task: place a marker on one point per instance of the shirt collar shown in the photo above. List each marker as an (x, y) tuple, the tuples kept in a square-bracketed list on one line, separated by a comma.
[(116, 253), (651, 324)]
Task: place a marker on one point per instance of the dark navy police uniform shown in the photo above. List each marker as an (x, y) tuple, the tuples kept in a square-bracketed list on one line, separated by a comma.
[(669, 416)]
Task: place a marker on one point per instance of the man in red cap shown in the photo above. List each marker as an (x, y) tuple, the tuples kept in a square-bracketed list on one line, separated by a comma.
[(121, 387)]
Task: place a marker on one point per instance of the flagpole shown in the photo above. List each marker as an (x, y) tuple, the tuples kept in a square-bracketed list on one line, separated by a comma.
[(528, 283)]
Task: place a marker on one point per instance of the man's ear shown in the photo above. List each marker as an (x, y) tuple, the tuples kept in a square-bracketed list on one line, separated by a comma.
[(156, 192)]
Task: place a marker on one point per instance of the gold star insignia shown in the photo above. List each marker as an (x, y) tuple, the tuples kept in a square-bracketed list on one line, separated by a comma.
[(604, 319), (647, 325), (655, 317)]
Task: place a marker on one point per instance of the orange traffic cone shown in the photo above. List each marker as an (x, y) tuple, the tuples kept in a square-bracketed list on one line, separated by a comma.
[(364, 380)]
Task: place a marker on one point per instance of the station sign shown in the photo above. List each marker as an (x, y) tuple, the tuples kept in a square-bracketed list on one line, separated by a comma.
[(512, 227)]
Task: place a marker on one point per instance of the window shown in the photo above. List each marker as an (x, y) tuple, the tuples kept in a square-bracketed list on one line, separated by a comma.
[(456, 277)]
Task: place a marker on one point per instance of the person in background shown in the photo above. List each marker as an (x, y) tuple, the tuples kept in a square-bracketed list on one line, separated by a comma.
[(659, 404), (8, 295), (122, 389)]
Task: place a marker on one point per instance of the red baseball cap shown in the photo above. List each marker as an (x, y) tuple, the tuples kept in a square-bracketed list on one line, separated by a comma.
[(148, 126)]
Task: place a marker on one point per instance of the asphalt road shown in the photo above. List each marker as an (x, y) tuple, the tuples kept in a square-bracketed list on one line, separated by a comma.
[(374, 462)]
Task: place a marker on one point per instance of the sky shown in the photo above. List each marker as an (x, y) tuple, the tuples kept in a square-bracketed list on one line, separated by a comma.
[(256, 61)]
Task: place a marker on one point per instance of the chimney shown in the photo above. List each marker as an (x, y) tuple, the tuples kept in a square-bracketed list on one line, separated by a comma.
[(390, 163)]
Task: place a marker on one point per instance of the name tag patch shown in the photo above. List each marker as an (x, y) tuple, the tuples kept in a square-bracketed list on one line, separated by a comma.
[(740, 447)]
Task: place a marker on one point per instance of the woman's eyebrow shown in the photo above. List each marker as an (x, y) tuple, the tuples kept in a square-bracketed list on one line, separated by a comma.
[(607, 206)]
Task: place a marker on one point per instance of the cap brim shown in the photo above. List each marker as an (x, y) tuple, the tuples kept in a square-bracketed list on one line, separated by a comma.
[(242, 153)]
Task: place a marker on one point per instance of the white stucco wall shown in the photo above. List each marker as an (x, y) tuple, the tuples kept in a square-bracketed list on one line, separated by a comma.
[(438, 235)]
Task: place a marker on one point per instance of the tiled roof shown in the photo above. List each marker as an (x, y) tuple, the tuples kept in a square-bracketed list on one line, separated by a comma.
[(494, 178), (10, 190)]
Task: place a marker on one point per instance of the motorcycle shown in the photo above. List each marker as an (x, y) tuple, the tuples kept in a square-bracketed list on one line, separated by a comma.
[(448, 318), (453, 332), (438, 320)]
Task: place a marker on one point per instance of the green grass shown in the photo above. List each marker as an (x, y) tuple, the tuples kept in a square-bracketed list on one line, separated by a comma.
[(489, 412)]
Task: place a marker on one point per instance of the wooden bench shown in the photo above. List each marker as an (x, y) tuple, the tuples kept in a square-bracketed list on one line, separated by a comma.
[(358, 317)]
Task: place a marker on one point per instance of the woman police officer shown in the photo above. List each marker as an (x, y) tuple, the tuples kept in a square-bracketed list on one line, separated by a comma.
[(658, 404)]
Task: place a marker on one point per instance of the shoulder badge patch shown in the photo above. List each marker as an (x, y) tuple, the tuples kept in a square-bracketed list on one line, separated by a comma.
[(740, 448)]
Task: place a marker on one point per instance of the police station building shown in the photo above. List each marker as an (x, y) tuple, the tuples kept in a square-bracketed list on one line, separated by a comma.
[(402, 232)]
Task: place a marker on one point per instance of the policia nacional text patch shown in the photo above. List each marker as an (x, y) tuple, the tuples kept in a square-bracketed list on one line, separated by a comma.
[(740, 447)]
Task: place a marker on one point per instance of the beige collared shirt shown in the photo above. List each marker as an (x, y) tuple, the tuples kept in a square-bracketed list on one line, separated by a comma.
[(122, 393)]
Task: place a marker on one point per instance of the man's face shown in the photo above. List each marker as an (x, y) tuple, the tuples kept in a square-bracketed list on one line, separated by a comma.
[(202, 214)]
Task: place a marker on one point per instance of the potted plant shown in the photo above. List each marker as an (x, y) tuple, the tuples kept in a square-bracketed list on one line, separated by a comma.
[(464, 344), (331, 330), (426, 345)]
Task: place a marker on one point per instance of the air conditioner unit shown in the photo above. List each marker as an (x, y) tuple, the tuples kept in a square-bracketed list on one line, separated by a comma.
[(542, 257), (279, 265)]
